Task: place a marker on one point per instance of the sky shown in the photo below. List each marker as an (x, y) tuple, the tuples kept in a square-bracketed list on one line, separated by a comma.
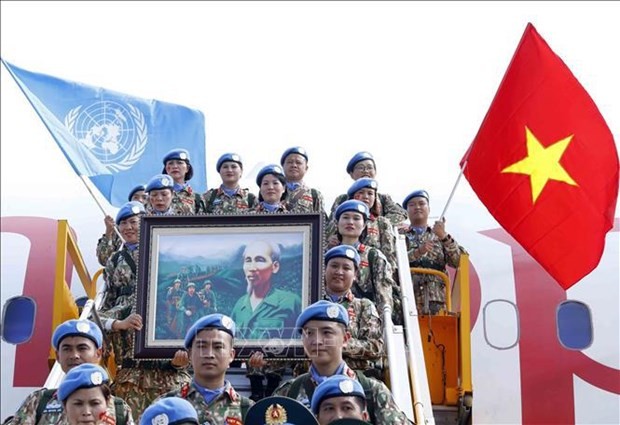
[(408, 81)]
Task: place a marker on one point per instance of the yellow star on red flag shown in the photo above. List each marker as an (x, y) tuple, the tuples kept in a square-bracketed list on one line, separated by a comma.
[(542, 164)]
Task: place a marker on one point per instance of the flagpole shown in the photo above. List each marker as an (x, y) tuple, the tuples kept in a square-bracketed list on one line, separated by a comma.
[(83, 178), (458, 179)]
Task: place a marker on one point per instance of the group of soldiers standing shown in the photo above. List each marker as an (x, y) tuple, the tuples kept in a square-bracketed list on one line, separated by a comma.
[(360, 280)]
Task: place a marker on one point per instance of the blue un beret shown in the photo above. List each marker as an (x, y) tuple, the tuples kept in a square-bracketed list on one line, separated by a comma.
[(215, 321), (228, 157), (129, 210), (86, 375), (343, 251), (169, 411), (160, 181), (274, 169), (74, 327), (136, 189), (416, 194), (360, 184), (353, 205), (183, 155), (323, 310), (336, 386), (360, 156), (296, 149)]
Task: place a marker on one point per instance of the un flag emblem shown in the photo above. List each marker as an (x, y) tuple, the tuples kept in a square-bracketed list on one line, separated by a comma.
[(115, 133)]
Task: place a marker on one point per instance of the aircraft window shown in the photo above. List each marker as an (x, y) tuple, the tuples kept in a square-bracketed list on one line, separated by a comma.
[(574, 323), (501, 324)]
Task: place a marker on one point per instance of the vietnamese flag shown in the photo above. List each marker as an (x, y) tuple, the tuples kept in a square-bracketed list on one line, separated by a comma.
[(544, 163)]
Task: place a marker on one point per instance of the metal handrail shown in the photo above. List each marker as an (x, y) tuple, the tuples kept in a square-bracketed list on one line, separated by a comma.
[(440, 274)]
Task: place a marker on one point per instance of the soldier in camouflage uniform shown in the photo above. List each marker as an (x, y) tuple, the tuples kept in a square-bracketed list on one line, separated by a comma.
[(161, 196), (177, 165), (137, 382), (210, 344), (339, 397), (365, 347), (75, 342), (272, 190), (229, 198), (379, 230), (323, 326), (375, 280), (431, 248), (300, 197), (109, 242), (86, 398), (363, 165), (172, 299)]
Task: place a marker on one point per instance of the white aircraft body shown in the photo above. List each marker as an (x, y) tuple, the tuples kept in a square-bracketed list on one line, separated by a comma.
[(335, 87)]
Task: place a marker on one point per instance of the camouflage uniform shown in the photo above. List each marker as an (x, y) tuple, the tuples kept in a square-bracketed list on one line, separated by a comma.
[(379, 234), (54, 412), (173, 297), (184, 202), (106, 247), (389, 209), (192, 303), (304, 199), (366, 343), (216, 201), (225, 409), (376, 282), (137, 382), (260, 209), (443, 253), (385, 409)]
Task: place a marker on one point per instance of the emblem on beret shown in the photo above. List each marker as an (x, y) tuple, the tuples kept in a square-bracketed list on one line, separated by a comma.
[(332, 311), (161, 419), (164, 181), (346, 387), (349, 253), (182, 155), (227, 322), (275, 415), (235, 157), (82, 327), (135, 209), (277, 169), (373, 184), (96, 378), (361, 208)]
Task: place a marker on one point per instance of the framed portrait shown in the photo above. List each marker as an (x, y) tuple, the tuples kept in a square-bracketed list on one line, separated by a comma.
[(262, 270)]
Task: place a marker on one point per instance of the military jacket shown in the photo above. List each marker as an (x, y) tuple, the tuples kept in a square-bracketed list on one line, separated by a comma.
[(385, 409), (53, 413), (106, 247), (443, 253), (304, 200), (209, 303), (389, 209), (184, 202), (366, 342), (225, 409), (273, 317), (375, 277), (379, 234), (260, 209), (216, 201)]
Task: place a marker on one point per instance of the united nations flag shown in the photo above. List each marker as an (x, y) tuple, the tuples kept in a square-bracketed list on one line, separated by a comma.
[(114, 139)]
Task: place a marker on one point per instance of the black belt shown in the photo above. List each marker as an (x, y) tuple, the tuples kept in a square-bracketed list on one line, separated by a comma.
[(147, 364)]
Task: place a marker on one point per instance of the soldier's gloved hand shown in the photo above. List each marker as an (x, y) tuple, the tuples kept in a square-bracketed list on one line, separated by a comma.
[(180, 359)]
